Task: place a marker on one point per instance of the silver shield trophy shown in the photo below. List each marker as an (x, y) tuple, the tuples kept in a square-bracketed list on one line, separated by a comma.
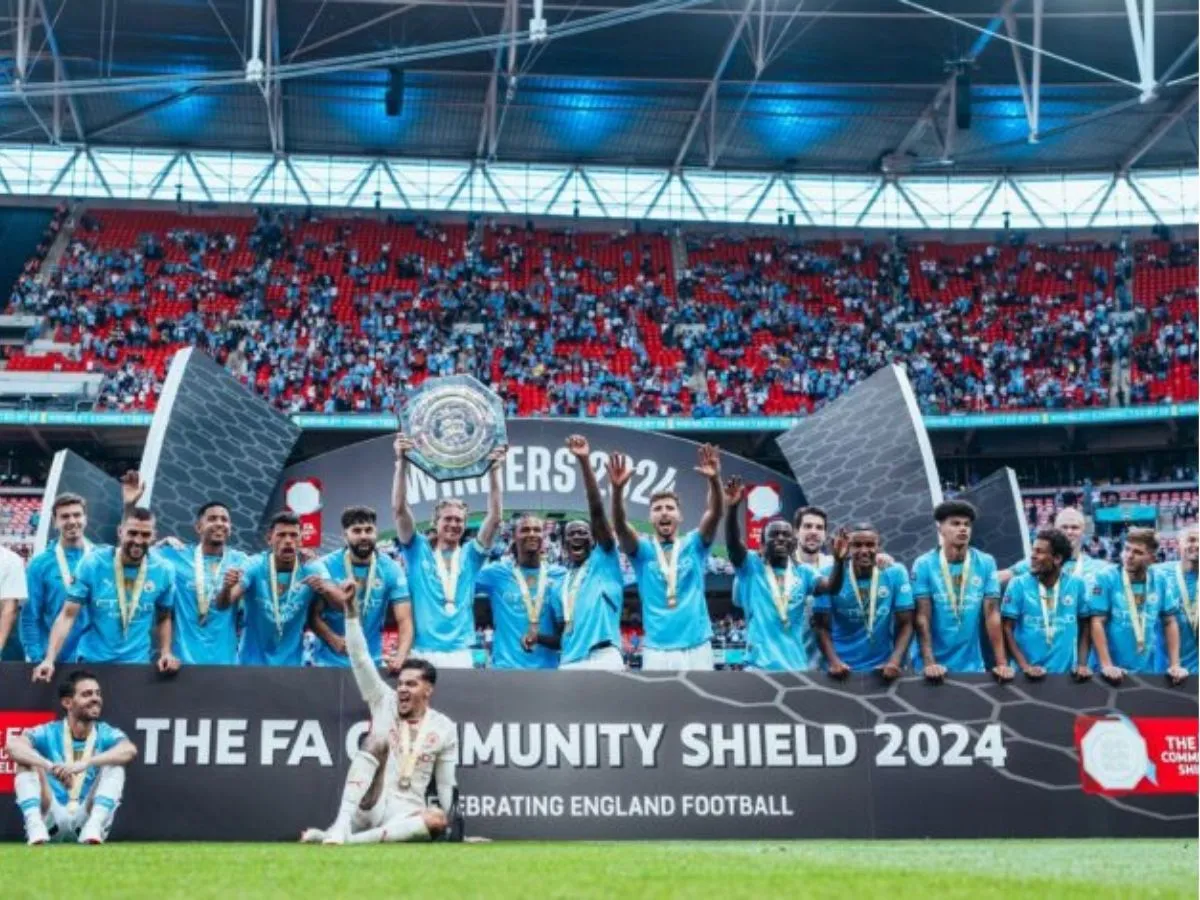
[(455, 423)]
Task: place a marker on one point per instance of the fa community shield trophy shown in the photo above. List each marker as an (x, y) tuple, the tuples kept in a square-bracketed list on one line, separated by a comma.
[(455, 423)]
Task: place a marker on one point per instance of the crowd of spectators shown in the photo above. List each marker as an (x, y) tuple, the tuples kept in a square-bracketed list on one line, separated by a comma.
[(347, 315)]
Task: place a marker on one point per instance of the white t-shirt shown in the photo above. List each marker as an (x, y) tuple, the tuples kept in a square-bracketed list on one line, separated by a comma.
[(12, 576)]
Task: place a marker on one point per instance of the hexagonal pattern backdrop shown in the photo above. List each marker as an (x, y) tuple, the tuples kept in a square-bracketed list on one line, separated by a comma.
[(71, 473)]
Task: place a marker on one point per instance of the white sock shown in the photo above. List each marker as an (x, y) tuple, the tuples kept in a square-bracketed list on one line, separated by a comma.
[(109, 787), (363, 766), (397, 830), (28, 788)]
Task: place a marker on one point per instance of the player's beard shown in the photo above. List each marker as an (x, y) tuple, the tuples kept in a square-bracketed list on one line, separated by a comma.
[(363, 549)]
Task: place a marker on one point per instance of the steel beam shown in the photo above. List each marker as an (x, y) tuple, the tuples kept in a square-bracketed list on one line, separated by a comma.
[(1146, 143), (62, 85)]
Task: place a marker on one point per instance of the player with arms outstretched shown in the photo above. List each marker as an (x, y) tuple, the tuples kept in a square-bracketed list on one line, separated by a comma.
[(408, 744)]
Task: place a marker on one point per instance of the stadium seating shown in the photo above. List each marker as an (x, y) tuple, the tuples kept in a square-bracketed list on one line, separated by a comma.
[(18, 521), (344, 315)]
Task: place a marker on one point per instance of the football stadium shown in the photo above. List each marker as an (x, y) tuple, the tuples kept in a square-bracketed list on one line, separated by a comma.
[(599, 448)]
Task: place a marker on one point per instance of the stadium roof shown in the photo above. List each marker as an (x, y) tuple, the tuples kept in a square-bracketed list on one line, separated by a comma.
[(797, 85)]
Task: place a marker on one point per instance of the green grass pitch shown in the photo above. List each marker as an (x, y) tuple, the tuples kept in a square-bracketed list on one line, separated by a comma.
[(753, 869)]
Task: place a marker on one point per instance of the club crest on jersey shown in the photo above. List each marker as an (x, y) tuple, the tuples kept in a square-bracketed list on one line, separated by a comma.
[(976, 581), (431, 741), (884, 593), (150, 586), (426, 757)]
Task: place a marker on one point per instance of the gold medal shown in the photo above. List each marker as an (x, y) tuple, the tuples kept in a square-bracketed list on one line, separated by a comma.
[(60, 556), (273, 578), (669, 568), (407, 748), (1137, 618), (957, 597), (448, 575), (1188, 602), (868, 612), (532, 602), (75, 788), (127, 605), (571, 584), (361, 591), (1049, 604), (204, 575), (781, 595)]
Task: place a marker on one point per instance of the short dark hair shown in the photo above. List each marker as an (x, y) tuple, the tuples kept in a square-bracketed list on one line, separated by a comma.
[(427, 669), (863, 526), (138, 514), (810, 511), (71, 682), (67, 499), (1060, 544), (665, 495), (210, 505), (283, 517), (358, 515), (1147, 537), (950, 508)]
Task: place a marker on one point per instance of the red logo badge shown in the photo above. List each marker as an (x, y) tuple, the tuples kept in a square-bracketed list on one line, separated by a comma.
[(14, 722), (1119, 755)]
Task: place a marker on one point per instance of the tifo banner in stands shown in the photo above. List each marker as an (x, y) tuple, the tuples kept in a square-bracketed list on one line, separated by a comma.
[(866, 458), (71, 473), (213, 439), (258, 754), (540, 474), (1001, 528)]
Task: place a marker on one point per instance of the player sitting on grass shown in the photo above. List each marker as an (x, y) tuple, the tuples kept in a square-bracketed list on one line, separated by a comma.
[(71, 772), (386, 803)]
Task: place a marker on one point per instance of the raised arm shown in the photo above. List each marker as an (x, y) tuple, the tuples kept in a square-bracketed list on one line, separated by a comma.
[(710, 469), (735, 490), (619, 473), (495, 502), (601, 530), (832, 583), (405, 527), (373, 688), (132, 488)]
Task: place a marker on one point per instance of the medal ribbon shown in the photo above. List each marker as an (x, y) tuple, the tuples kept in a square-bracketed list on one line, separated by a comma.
[(1048, 609), (448, 575), (533, 604), (203, 600), (273, 577), (68, 751), (361, 592), (670, 569), (1139, 619), (64, 570), (781, 596), (408, 748), (957, 598), (128, 605), (868, 611), (1190, 606), (571, 585)]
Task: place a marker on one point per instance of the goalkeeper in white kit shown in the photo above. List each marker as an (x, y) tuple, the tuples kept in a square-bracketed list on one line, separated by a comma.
[(409, 744)]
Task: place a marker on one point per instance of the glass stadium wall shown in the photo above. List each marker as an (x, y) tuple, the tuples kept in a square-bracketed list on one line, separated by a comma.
[(1142, 198)]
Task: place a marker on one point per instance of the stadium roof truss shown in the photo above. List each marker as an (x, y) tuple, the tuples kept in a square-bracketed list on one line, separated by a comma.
[(1135, 199), (724, 111)]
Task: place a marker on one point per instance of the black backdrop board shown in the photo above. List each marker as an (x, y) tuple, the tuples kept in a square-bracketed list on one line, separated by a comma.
[(1001, 529), (866, 457), (258, 754), (71, 473), (213, 439)]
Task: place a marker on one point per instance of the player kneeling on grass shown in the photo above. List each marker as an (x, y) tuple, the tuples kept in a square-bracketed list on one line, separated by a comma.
[(408, 744), (71, 772)]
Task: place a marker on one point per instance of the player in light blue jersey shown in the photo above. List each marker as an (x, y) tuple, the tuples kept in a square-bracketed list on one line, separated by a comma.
[(583, 613), (1179, 579), (128, 592), (1071, 523), (276, 592), (442, 573), (773, 592), (1045, 627), (670, 568), (866, 625), (205, 627), (380, 585), (71, 772), (50, 575), (958, 595), (518, 589), (811, 527), (1125, 606)]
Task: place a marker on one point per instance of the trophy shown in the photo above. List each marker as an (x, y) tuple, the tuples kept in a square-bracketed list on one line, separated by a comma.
[(455, 423)]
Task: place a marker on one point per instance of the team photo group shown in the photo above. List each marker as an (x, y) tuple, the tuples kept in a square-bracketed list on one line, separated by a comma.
[(840, 605)]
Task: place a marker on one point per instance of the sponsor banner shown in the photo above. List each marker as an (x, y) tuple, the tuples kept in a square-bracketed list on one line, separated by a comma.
[(13, 722), (540, 474), (258, 754), (1141, 755), (303, 497)]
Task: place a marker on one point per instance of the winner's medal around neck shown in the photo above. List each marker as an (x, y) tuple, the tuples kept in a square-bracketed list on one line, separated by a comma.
[(60, 557), (408, 747), (868, 611), (781, 594), (362, 592), (75, 788), (455, 422), (1136, 617), (957, 597), (448, 573), (1048, 600), (532, 601), (669, 567), (203, 575), (128, 605)]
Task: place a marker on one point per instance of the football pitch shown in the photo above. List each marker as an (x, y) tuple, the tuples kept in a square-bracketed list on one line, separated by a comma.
[(976, 869)]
